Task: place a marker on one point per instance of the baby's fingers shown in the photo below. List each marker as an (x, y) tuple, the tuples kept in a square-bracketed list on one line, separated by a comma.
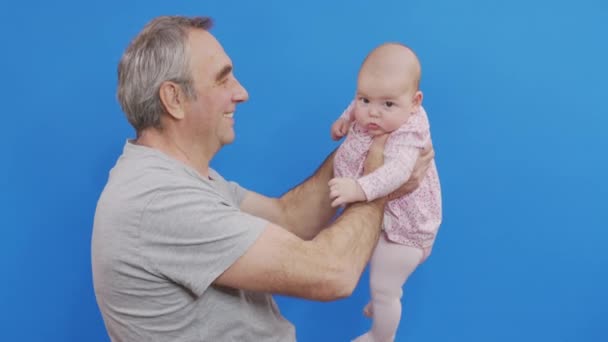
[(333, 193), (333, 182), (337, 202)]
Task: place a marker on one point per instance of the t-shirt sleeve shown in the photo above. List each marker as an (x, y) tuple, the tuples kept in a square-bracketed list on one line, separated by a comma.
[(191, 234), (238, 192)]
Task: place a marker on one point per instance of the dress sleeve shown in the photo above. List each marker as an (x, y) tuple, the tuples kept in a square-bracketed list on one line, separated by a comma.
[(397, 169), (348, 113), (400, 154)]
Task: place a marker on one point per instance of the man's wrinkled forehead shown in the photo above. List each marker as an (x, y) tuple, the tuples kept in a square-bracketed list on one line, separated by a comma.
[(207, 55)]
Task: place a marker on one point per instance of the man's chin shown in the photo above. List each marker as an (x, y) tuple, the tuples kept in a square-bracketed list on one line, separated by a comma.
[(228, 140)]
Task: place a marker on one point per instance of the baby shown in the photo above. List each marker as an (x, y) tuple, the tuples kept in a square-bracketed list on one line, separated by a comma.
[(388, 100)]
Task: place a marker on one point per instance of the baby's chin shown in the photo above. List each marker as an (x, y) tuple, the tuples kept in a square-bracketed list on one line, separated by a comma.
[(375, 130)]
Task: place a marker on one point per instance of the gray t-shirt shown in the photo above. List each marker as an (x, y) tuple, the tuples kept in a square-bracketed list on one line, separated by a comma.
[(162, 234)]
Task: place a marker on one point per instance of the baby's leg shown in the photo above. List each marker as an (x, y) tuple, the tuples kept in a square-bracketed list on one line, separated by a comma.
[(391, 265)]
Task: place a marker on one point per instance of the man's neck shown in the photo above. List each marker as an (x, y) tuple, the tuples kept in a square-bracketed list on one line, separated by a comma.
[(194, 156)]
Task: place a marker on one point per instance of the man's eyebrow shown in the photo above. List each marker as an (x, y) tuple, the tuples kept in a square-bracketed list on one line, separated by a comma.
[(227, 69)]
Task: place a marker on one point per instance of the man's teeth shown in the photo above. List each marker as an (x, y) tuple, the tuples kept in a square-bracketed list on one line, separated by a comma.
[(229, 115)]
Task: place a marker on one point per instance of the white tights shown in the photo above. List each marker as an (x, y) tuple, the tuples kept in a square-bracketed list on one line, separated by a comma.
[(390, 266)]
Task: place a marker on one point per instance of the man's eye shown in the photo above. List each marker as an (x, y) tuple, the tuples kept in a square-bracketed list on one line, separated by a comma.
[(389, 104)]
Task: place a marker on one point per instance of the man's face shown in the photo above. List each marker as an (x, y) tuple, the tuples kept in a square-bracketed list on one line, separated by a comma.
[(210, 116)]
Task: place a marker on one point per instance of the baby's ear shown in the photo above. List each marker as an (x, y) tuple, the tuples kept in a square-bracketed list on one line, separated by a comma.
[(417, 100)]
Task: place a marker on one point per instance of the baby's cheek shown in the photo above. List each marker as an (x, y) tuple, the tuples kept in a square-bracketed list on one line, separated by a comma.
[(359, 114), (390, 123), (398, 120)]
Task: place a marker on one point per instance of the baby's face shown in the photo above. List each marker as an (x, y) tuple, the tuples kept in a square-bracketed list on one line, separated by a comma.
[(384, 101)]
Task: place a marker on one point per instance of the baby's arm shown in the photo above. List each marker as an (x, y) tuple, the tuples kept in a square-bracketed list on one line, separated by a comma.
[(390, 176), (344, 190), (340, 127), (386, 179)]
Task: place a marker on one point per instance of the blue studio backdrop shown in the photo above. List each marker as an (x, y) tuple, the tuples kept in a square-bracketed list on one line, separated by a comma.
[(516, 93)]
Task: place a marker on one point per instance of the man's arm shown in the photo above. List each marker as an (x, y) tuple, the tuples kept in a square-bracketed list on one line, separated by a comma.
[(325, 268), (304, 210)]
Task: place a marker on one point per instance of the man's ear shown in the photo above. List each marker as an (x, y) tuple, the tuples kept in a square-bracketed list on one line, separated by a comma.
[(173, 99), (417, 100)]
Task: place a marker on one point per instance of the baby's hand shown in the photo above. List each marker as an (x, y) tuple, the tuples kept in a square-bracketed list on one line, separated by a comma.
[(339, 129), (345, 190)]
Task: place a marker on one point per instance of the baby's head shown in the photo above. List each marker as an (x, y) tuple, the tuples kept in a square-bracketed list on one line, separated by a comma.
[(387, 88)]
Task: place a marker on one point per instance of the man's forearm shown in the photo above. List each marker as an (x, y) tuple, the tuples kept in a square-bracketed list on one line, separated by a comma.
[(349, 242), (306, 209), (327, 267)]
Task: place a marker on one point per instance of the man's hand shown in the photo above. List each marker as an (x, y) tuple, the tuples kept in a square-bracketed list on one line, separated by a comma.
[(345, 190), (375, 154), (422, 164), (339, 128)]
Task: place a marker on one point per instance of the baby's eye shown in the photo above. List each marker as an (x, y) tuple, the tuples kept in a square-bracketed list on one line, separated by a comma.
[(364, 100), (389, 104)]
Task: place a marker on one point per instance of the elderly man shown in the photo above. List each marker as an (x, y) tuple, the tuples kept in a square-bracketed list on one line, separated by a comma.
[(179, 253)]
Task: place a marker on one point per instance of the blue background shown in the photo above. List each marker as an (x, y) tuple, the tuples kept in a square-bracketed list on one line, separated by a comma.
[(516, 93)]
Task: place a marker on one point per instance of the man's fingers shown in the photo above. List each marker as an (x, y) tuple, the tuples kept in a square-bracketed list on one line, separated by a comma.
[(424, 159), (378, 143), (375, 156), (428, 152), (422, 164), (380, 139)]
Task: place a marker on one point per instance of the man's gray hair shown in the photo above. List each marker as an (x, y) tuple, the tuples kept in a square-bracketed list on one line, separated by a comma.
[(159, 53)]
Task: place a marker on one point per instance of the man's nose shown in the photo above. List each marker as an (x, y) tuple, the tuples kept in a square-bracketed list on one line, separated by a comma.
[(240, 93)]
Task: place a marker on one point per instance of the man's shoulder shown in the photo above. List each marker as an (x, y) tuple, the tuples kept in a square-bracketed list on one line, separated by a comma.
[(215, 175), (136, 183)]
